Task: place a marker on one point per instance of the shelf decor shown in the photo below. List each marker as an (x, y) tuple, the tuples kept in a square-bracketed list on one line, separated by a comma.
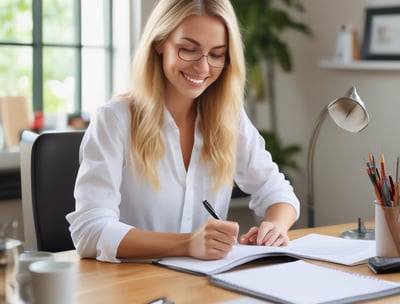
[(382, 29)]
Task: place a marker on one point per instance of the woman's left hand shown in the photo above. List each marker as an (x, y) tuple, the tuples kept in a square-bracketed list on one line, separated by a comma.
[(267, 234)]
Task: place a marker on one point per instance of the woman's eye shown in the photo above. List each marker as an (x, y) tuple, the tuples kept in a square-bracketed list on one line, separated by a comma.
[(217, 55), (189, 50)]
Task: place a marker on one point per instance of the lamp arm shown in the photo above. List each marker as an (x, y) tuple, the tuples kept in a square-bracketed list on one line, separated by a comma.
[(310, 166)]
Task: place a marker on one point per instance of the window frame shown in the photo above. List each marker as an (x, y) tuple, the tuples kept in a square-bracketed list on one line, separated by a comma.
[(37, 46)]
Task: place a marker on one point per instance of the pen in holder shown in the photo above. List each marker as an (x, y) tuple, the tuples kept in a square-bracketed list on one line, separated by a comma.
[(387, 225), (387, 230)]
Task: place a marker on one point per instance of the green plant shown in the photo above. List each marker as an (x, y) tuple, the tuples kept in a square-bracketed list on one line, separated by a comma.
[(263, 23)]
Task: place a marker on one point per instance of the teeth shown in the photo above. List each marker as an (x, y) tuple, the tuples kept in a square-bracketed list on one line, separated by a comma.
[(196, 81)]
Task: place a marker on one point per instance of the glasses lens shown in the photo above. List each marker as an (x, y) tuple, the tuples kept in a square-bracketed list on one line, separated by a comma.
[(195, 55), (190, 55), (216, 61)]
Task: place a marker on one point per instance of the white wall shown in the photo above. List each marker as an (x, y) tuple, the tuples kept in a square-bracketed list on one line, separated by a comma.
[(342, 189)]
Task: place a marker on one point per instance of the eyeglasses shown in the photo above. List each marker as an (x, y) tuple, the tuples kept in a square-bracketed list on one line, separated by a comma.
[(214, 60)]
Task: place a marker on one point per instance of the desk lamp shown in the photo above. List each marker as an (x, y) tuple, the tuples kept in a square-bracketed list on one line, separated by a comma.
[(349, 113)]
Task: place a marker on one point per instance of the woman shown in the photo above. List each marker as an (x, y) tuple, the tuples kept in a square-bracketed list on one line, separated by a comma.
[(179, 136)]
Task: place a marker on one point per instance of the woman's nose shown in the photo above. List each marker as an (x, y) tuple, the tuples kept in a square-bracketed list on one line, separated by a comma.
[(202, 64)]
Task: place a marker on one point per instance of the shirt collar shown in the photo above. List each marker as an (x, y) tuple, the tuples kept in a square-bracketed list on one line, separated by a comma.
[(169, 120)]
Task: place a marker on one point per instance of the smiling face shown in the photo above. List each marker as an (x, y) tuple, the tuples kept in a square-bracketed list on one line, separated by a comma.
[(196, 37)]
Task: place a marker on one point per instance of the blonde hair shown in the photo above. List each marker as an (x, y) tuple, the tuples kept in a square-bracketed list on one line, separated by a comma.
[(219, 105)]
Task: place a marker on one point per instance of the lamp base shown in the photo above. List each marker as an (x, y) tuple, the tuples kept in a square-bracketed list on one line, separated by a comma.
[(361, 233), (368, 234)]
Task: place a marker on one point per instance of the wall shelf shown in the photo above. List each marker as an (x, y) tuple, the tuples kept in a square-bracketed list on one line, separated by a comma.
[(382, 65)]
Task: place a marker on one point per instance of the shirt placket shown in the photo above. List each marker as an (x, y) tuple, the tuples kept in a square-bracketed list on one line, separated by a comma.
[(191, 187)]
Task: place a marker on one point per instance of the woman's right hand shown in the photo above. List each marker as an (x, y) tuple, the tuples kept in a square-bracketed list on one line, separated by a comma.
[(214, 240)]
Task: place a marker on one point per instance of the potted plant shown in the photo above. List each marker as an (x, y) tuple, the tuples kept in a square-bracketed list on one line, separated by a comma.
[(263, 22)]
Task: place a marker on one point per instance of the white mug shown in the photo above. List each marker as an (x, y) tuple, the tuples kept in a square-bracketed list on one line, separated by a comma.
[(23, 277), (28, 257), (52, 282)]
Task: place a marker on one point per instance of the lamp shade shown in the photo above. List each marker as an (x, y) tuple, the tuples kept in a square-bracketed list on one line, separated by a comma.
[(349, 112)]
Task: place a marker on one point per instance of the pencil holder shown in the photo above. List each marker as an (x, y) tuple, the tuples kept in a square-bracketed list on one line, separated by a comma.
[(387, 230)]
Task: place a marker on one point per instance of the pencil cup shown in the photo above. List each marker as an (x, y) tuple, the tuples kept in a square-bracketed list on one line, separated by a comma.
[(387, 231)]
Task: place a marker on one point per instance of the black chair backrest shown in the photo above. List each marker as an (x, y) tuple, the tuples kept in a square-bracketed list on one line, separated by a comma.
[(54, 166)]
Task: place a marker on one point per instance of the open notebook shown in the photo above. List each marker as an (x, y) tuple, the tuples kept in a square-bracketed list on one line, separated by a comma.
[(313, 246), (302, 282)]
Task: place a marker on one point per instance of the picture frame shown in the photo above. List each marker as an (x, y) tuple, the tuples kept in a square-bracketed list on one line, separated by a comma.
[(381, 34)]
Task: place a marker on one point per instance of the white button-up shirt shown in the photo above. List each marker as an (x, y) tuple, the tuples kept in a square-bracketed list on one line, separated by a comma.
[(112, 197)]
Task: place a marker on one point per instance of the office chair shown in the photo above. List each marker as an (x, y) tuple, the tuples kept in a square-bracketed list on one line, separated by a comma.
[(49, 165)]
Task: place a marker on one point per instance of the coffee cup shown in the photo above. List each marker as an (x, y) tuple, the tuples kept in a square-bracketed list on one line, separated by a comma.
[(25, 259), (52, 282), (28, 257)]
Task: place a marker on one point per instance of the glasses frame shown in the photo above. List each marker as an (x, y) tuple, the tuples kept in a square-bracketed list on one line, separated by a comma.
[(203, 55)]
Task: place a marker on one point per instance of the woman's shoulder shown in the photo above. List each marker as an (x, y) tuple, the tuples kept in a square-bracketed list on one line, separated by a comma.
[(114, 112), (244, 120), (247, 130), (116, 105)]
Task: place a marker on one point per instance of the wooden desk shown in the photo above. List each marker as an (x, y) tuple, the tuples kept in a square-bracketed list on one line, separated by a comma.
[(100, 282)]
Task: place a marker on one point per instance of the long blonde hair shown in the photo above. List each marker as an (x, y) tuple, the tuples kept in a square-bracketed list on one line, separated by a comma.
[(220, 104)]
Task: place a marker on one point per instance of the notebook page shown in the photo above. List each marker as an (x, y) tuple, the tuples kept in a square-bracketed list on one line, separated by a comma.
[(313, 246), (301, 282), (333, 249)]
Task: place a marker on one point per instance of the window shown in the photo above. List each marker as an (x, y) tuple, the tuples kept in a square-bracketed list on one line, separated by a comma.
[(57, 53)]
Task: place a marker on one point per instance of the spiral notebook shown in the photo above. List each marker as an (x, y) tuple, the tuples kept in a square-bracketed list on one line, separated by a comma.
[(312, 246), (302, 282)]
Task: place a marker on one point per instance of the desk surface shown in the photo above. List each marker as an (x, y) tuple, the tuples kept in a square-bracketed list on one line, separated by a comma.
[(100, 282)]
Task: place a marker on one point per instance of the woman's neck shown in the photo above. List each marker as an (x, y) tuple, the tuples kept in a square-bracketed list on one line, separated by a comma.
[(182, 112)]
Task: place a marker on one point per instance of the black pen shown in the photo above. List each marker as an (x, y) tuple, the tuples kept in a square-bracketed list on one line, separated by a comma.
[(211, 210)]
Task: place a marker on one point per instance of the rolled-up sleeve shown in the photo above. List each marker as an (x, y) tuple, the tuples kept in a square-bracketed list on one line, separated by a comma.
[(257, 174), (95, 227)]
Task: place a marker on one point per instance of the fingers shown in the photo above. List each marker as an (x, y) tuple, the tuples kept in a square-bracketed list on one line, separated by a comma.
[(271, 234), (268, 234), (214, 240), (216, 249), (273, 238), (224, 231), (250, 238), (220, 237)]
